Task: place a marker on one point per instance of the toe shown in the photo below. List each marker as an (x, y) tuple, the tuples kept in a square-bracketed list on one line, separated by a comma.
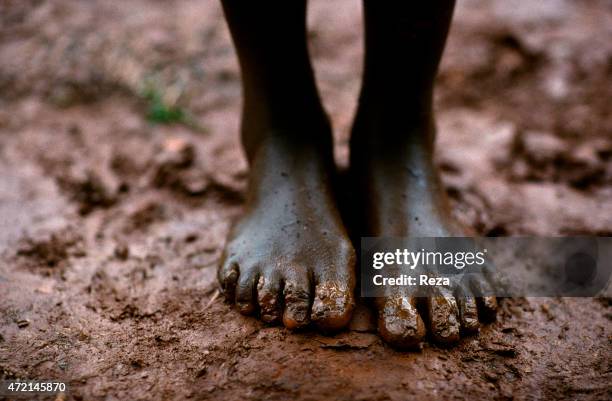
[(443, 315), (486, 302), (228, 276), (245, 291), (399, 322), (488, 308), (296, 295), (268, 297), (333, 305), (334, 298), (468, 311)]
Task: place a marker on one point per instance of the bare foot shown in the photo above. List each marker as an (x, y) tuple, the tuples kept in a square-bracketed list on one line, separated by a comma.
[(403, 197), (289, 257)]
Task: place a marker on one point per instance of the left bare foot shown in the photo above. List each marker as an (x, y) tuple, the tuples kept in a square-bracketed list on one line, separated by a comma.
[(403, 197)]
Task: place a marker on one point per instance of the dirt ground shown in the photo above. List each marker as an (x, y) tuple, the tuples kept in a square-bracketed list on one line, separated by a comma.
[(112, 220)]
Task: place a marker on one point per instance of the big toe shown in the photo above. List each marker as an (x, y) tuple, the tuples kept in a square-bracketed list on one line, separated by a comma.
[(333, 305), (399, 322)]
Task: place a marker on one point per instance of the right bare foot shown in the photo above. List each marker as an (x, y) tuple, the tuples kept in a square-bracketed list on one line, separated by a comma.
[(289, 257)]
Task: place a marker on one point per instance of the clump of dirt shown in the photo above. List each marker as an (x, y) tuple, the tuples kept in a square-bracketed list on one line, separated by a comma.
[(142, 218), (51, 251), (113, 224), (174, 156), (544, 157), (88, 190), (175, 169)]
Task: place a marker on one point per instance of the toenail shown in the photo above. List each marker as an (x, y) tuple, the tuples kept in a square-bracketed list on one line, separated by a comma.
[(332, 305), (331, 298)]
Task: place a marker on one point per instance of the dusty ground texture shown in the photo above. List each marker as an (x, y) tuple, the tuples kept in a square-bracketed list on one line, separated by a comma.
[(112, 224)]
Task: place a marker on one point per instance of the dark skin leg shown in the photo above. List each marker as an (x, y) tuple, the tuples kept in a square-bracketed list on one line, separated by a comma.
[(289, 257), (392, 158)]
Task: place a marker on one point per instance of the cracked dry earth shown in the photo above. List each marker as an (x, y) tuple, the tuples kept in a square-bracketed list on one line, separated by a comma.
[(112, 226)]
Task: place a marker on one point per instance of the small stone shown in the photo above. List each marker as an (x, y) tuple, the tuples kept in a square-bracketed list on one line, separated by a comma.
[(176, 152), (23, 323), (122, 251), (542, 146), (490, 376)]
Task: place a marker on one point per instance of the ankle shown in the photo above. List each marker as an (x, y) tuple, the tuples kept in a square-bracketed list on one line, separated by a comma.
[(293, 126), (380, 138), (279, 166)]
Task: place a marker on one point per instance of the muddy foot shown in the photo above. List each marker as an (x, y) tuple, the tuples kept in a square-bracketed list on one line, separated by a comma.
[(402, 197), (289, 256)]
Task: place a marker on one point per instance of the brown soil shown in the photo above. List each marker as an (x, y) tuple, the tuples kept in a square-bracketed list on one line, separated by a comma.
[(112, 225)]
